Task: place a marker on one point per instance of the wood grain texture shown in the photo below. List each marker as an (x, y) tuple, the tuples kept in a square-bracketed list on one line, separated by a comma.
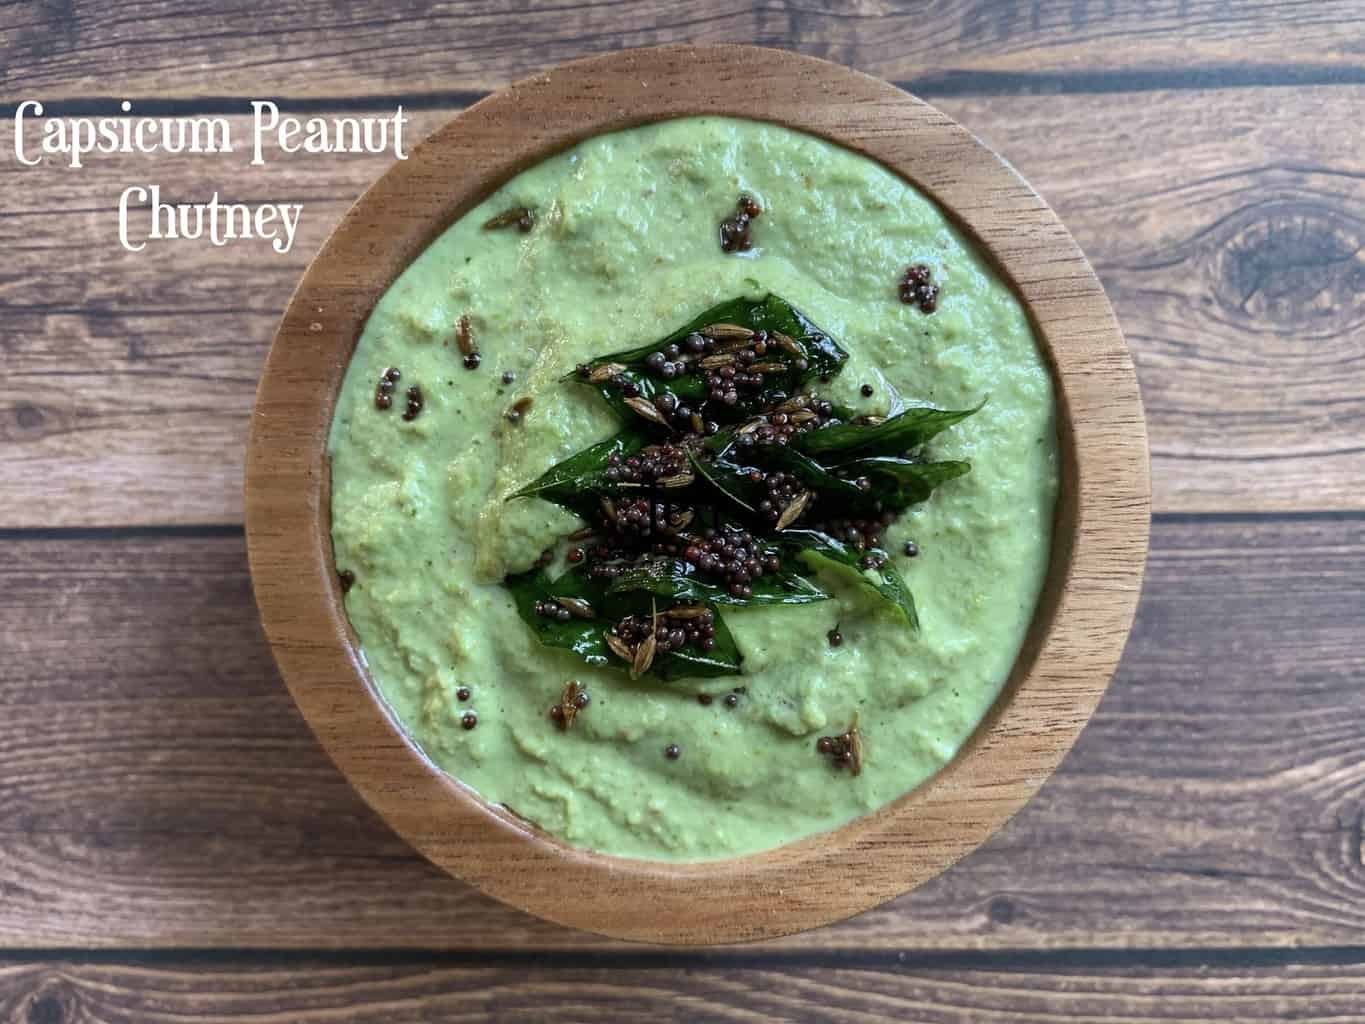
[(320, 48), (1076, 633), (159, 788), (151, 360), (424, 991)]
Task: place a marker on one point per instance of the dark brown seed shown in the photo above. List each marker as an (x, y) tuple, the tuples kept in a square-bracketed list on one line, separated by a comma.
[(644, 655), (347, 579), (469, 719), (519, 409), (824, 744), (392, 374), (672, 751), (605, 372), (576, 606), (911, 549), (572, 699), (518, 217), (793, 510), (414, 403), (462, 693), (643, 407), (383, 400), (472, 361), (726, 332), (835, 638), (853, 742), (464, 338), (866, 390), (509, 376), (575, 555), (704, 699), (731, 700), (620, 648), (734, 230)]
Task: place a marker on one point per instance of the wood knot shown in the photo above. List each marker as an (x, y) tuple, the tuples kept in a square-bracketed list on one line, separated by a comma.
[(28, 417), (49, 1005), (1290, 263), (1000, 910)]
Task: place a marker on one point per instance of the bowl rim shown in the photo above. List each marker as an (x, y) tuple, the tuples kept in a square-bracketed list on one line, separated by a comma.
[(1074, 640)]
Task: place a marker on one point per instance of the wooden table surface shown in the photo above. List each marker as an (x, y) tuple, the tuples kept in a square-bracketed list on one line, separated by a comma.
[(175, 846)]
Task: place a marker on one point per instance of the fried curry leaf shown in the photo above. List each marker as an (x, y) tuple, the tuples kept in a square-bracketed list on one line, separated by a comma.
[(899, 483), (884, 580), (893, 483), (675, 579), (725, 477), (582, 476), (894, 436), (723, 659), (727, 464), (587, 637), (819, 352), (834, 490), (582, 636), (850, 468)]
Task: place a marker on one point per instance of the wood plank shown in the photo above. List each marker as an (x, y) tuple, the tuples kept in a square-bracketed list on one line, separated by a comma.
[(420, 991), (321, 48), (160, 790), (1236, 271)]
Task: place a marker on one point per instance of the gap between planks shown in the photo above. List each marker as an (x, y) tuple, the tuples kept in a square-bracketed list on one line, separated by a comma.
[(951, 84), (1019, 958)]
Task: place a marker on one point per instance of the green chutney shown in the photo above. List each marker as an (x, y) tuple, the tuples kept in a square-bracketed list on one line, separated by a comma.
[(624, 249)]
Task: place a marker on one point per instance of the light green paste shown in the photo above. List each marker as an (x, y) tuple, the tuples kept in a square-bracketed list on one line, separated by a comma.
[(624, 250)]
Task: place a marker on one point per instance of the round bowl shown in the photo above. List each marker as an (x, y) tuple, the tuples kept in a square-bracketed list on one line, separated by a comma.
[(1078, 630)]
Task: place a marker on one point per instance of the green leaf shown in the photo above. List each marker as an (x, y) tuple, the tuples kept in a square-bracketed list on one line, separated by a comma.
[(726, 478), (834, 490), (582, 636), (729, 464), (587, 637), (894, 436), (583, 475), (895, 483), (899, 483), (675, 579), (885, 582), (723, 659), (770, 313)]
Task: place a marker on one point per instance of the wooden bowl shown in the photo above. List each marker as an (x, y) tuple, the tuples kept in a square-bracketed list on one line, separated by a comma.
[(1077, 633)]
